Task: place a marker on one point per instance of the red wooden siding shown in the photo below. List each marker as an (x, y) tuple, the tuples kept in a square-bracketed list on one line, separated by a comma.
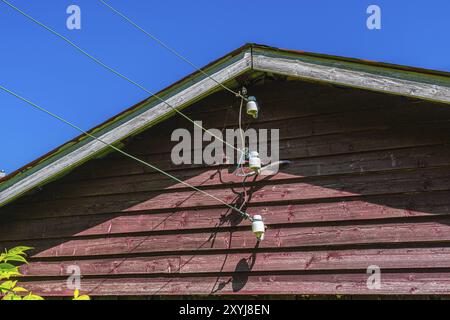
[(369, 185)]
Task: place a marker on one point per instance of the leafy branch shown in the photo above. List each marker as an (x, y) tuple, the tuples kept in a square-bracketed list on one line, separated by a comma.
[(9, 290)]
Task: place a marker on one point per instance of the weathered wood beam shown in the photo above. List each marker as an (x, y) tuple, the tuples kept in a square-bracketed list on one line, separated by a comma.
[(348, 77)]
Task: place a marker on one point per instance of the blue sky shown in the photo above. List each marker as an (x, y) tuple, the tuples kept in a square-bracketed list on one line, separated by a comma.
[(46, 70)]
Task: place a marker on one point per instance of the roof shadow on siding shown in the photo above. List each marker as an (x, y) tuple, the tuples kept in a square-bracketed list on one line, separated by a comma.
[(368, 171)]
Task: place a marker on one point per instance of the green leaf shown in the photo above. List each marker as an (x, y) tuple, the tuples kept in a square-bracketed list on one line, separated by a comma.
[(12, 296), (8, 285), (19, 250), (19, 289), (76, 296), (8, 270), (4, 290), (7, 267), (16, 258), (33, 297), (8, 275)]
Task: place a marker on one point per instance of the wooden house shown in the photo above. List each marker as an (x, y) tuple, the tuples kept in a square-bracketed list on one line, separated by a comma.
[(368, 187)]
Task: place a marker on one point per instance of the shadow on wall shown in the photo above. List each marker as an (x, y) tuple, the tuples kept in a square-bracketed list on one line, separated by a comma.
[(385, 163)]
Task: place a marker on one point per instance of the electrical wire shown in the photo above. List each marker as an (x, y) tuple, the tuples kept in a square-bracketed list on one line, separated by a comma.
[(170, 49), (242, 157), (117, 73), (244, 214), (243, 149)]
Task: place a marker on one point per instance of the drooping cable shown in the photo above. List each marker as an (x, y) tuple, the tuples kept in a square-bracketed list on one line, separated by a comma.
[(244, 214), (242, 156), (111, 69), (166, 46)]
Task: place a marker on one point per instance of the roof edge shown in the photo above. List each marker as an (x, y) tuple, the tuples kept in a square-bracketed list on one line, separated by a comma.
[(387, 78), (149, 112), (352, 73)]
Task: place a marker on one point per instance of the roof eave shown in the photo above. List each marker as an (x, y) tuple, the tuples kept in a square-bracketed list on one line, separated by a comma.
[(134, 120), (398, 80)]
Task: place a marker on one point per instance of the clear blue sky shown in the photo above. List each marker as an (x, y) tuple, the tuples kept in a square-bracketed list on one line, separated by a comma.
[(49, 72)]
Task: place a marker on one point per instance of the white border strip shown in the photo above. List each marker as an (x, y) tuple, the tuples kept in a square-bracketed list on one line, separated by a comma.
[(353, 78)]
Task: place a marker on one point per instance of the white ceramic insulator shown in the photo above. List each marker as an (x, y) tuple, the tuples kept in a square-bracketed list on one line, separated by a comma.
[(252, 109), (258, 227), (254, 162)]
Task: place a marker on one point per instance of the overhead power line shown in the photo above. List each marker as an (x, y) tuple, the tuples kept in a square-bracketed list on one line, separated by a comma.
[(111, 69), (166, 46), (244, 214)]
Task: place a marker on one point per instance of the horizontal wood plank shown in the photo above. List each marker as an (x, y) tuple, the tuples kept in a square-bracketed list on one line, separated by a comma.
[(374, 119), (295, 148), (394, 160), (428, 204), (430, 179), (392, 284), (295, 237), (254, 261)]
